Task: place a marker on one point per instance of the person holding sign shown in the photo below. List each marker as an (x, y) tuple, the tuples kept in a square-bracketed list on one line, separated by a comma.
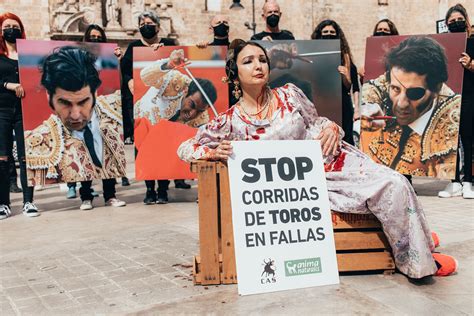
[(355, 183)]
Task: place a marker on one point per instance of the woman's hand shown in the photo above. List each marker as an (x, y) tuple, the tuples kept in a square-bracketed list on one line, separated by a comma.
[(466, 61), (156, 46), (17, 88), (118, 52), (202, 44), (223, 151), (329, 138)]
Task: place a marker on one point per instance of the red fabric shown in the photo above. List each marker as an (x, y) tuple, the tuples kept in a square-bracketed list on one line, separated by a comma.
[(157, 146)]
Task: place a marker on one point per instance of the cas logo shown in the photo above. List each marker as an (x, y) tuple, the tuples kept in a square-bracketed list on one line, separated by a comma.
[(268, 274)]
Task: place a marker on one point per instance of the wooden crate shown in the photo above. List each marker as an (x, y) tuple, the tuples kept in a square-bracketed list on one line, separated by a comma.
[(360, 242)]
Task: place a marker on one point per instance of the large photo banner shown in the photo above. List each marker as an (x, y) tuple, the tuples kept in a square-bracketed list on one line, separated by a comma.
[(177, 89), (411, 99), (72, 111), (312, 67), (281, 217)]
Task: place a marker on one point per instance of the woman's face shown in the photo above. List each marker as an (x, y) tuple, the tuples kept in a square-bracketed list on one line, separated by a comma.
[(253, 68), (383, 27), (9, 24), (328, 30), (455, 16), (96, 35)]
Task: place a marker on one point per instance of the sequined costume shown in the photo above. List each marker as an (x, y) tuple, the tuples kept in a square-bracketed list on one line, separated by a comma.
[(355, 183), (164, 97), (430, 153), (54, 155)]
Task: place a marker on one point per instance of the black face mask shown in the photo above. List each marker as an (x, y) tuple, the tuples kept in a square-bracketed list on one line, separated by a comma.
[(148, 31), (457, 27), (273, 20), (96, 40), (382, 34), (11, 35), (221, 30), (329, 36)]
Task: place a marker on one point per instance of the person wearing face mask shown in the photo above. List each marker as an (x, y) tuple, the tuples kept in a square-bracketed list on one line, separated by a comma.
[(457, 21), (329, 29), (11, 93), (149, 26), (220, 29), (385, 27), (271, 15)]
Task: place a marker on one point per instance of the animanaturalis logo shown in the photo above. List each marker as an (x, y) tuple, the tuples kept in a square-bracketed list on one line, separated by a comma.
[(303, 266)]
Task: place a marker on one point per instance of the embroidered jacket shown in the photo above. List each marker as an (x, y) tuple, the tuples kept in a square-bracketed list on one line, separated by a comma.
[(54, 155), (164, 97), (431, 154)]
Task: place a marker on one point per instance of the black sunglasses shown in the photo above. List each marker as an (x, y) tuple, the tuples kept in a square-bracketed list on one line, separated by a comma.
[(413, 94)]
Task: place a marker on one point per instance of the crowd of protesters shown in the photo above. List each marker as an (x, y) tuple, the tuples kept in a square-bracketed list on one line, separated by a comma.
[(148, 23)]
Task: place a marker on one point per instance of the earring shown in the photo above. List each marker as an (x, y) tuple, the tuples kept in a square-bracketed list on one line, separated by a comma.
[(237, 92)]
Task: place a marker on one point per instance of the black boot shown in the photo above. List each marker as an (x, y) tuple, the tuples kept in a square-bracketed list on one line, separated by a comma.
[(180, 184), (162, 197), (150, 197)]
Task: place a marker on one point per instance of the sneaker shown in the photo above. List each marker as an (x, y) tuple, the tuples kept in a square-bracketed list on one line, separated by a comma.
[(467, 190), (71, 193), (150, 197), (5, 211), (435, 238), (447, 265), (125, 182), (180, 184), (128, 141), (86, 205), (30, 209), (14, 188), (115, 202), (451, 190), (162, 197)]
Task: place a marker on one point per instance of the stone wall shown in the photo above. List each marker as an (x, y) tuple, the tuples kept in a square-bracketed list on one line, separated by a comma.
[(191, 20)]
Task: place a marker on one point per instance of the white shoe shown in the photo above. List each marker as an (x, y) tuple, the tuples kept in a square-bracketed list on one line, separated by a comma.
[(451, 190), (115, 202), (5, 211), (467, 190), (86, 205), (30, 209)]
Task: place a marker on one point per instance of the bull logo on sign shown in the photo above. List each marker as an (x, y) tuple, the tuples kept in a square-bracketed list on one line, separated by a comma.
[(268, 274)]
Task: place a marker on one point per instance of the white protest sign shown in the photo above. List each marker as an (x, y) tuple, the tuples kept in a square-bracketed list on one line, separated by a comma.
[(283, 233)]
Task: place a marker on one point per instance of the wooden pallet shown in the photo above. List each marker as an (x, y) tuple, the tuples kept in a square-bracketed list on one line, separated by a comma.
[(360, 242)]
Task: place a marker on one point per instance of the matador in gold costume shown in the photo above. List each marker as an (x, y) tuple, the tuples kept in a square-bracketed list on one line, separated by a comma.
[(172, 95), (55, 154), (410, 117)]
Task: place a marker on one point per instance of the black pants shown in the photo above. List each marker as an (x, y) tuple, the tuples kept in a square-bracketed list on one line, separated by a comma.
[(162, 185), (108, 186), (11, 120), (466, 129), (347, 118), (127, 112), (13, 173)]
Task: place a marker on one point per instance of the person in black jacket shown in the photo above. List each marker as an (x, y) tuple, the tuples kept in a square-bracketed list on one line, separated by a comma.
[(149, 25), (11, 93), (271, 15), (457, 21)]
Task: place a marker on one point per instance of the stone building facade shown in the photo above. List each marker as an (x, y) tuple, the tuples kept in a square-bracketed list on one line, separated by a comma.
[(188, 21)]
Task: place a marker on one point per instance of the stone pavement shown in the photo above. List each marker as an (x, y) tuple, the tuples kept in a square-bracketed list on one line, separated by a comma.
[(137, 260)]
